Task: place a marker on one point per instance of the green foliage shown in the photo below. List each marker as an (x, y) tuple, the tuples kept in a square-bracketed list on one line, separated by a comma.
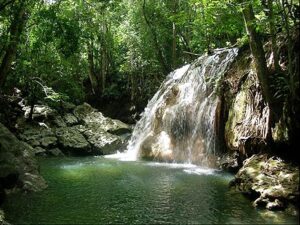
[(127, 45)]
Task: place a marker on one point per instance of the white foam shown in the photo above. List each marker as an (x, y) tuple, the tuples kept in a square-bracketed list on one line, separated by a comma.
[(172, 165), (200, 171), (187, 167), (122, 156)]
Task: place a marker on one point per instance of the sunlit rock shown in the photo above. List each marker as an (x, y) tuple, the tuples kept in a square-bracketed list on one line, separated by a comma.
[(247, 124), (102, 142), (157, 148), (40, 112), (271, 181)]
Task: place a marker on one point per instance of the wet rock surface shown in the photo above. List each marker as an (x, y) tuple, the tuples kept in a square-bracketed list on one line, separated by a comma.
[(230, 162), (270, 181)]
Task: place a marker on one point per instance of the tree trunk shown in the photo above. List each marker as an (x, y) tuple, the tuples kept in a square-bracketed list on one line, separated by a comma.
[(174, 58), (257, 52), (16, 29), (270, 14), (92, 76)]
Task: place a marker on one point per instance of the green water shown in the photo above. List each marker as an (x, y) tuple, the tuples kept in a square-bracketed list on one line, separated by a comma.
[(107, 191)]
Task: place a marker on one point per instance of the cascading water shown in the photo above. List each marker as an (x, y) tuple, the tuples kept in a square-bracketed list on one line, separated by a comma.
[(180, 122)]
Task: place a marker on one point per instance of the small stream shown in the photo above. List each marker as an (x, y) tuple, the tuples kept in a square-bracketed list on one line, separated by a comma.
[(98, 190)]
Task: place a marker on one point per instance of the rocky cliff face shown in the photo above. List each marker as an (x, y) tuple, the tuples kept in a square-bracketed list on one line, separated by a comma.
[(18, 167), (256, 140), (247, 122)]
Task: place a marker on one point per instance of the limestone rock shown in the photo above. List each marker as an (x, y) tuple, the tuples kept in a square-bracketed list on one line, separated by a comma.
[(40, 112), (81, 111), (247, 124), (18, 164), (103, 143), (154, 148), (55, 152), (89, 115), (70, 119), (273, 182), (70, 139), (38, 151), (39, 136), (110, 125), (58, 121), (230, 162)]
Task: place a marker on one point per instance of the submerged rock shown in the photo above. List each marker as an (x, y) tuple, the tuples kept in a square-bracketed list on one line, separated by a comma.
[(271, 181)]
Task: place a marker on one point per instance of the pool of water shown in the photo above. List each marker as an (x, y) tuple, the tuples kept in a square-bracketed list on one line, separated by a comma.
[(107, 191)]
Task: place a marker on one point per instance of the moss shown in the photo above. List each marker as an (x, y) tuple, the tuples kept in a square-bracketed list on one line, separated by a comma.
[(280, 132), (235, 118)]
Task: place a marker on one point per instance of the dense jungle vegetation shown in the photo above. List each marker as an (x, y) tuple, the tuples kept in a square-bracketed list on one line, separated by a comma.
[(116, 53)]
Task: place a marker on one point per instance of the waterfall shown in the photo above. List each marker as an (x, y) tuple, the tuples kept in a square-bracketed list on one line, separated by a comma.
[(180, 123)]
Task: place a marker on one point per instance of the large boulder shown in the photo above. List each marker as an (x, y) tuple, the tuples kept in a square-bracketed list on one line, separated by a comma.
[(17, 164), (39, 136), (70, 139), (103, 143), (157, 147), (272, 182), (81, 111), (88, 115), (110, 125)]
